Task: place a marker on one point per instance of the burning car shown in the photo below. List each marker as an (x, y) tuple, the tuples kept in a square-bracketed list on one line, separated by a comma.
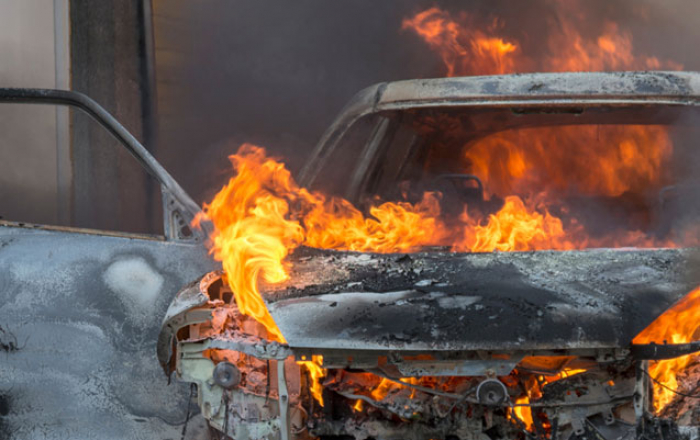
[(492, 257)]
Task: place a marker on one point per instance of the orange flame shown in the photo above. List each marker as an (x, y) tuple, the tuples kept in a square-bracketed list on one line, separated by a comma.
[(611, 50), (255, 228), (262, 214), (523, 413), (467, 49), (558, 160), (392, 227), (516, 228), (317, 372), (383, 388), (252, 232), (464, 48), (561, 159), (678, 325), (358, 406)]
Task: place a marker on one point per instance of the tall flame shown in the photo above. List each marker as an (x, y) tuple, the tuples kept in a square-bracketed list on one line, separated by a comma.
[(588, 160), (523, 412), (253, 233), (255, 227)]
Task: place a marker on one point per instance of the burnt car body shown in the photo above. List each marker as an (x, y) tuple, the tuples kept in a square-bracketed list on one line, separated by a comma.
[(469, 318)]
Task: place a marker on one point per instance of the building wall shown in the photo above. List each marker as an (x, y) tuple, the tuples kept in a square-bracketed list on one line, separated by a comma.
[(33, 153), (109, 63), (58, 166)]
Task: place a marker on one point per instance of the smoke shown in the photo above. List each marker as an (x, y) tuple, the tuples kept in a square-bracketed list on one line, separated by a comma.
[(679, 203), (270, 74), (276, 75)]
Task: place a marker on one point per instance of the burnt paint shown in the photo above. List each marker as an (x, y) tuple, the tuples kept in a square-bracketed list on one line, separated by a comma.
[(574, 299), (83, 345)]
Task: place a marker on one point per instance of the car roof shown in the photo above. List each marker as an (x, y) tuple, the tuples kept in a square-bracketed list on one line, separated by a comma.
[(519, 90)]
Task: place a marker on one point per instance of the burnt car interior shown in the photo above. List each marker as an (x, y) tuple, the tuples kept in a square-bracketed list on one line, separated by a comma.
[(410, 152)]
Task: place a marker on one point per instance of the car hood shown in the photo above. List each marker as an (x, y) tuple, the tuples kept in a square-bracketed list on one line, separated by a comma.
[(598, 298)]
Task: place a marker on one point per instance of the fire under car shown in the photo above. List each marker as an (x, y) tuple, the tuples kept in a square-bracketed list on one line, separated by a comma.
[(441, 344), (436, 343)]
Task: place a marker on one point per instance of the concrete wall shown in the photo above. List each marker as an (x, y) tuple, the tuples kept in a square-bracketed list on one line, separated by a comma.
[(34, 154), (109, 63), (58, 166)]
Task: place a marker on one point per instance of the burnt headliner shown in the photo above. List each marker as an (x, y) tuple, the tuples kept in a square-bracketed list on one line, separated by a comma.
[(598, 298)]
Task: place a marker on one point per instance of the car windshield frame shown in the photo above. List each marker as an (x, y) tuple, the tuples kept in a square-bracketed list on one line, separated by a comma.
[(546, 93)]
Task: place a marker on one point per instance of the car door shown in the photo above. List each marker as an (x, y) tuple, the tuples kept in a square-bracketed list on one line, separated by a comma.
[(80, 312)]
